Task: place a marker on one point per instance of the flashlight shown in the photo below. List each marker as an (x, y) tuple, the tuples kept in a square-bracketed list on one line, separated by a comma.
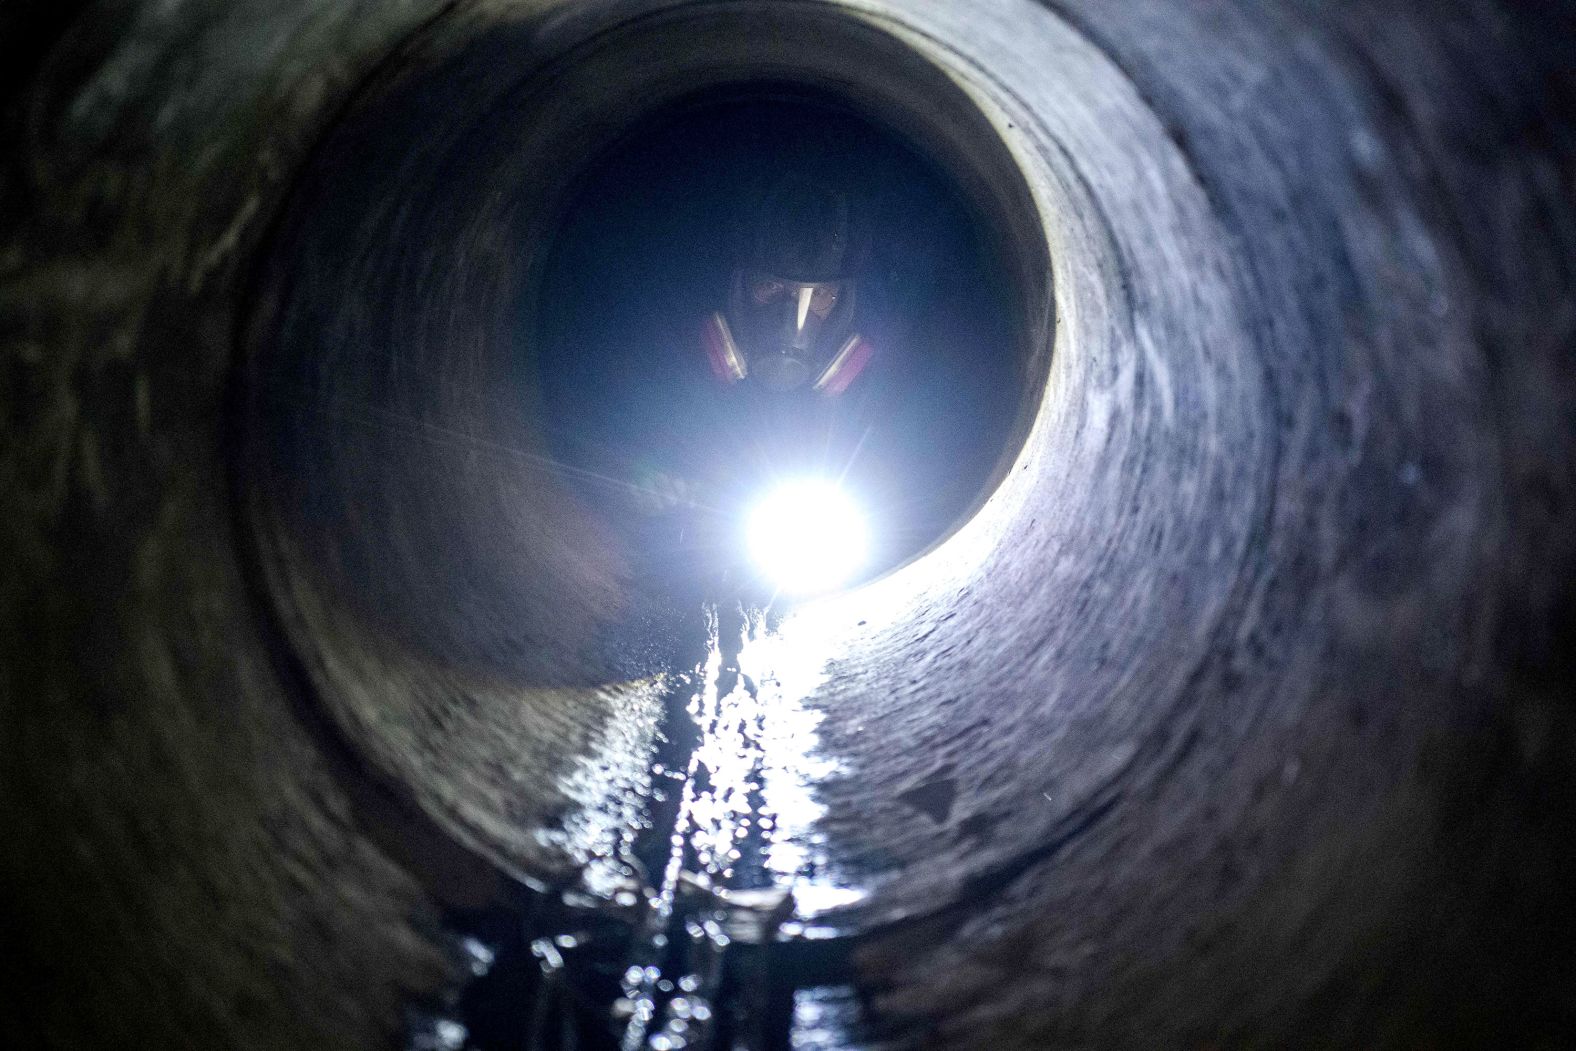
[(807, 535)]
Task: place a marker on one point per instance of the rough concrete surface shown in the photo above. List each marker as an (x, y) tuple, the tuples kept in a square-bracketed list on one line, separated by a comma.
[(1240, 713)]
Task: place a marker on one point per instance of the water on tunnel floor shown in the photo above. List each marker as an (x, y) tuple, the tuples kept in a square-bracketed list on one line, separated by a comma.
[(1248, 722), (575, 600), (702, 873), (672, 935)]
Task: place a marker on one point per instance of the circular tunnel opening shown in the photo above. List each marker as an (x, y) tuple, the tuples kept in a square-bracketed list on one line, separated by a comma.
[(1232, 714), (678, 452), (487, 463)]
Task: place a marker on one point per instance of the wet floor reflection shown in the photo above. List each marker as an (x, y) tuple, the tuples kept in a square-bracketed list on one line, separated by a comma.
[(611, 788), (756, 812), (700, 870)]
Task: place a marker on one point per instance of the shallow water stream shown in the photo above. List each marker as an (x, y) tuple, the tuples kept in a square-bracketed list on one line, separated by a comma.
[(699, 924)]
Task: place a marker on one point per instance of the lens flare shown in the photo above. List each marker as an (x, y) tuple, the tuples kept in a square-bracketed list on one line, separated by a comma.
[(807, 536)]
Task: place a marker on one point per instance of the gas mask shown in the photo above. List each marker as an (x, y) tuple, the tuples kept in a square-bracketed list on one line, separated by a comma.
[(791, 306), (791, 329)]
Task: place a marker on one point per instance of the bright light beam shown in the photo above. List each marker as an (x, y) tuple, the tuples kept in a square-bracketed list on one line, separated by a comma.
[(807, 536)]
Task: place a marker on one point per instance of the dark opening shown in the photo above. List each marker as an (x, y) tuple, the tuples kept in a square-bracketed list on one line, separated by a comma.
[(647, 250)]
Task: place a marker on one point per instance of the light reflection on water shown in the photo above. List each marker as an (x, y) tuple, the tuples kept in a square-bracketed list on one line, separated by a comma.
[(755, 810), (609, 788), (786, 666), (823, 1019), (695, 832), (751, 810), (740, 855)]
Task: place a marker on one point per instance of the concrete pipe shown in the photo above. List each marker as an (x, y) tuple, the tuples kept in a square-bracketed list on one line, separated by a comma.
[(1208, 681)]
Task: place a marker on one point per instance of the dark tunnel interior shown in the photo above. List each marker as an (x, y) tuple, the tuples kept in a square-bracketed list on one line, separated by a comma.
[(646, 252), (396, 398)]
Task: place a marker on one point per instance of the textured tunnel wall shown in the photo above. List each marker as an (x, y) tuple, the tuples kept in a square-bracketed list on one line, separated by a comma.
[(1238, 714), (473, 622)]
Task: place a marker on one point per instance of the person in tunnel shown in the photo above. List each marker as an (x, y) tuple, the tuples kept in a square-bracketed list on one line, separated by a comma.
[(767, 387), (783, 349), (756, 296), (792, 311)]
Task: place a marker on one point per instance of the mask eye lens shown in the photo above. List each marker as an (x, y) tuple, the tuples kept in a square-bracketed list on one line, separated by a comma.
[(823, 300), (766, 290)]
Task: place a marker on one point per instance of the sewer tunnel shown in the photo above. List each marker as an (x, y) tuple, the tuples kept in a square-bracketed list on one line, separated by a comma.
[(1206, 682)]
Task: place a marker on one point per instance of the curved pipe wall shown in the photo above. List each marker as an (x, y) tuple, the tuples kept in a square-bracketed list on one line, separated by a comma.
[(429, 554), (1236, 714)]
